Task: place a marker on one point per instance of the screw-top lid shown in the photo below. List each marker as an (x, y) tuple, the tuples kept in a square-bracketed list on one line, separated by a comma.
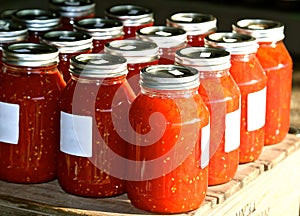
[(68, 41), (204, 58), (130, 15), (163, 36), (30, 54), (169, 77), (234, 43), (98, 65), (37, 19), (135, 51), (100, 29), (193, 23), (11, 32), (262, 30), (73, 8), (7, 14)]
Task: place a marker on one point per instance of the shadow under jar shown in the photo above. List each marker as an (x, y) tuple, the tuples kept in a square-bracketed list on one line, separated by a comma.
[(222, 97), (29, 105)]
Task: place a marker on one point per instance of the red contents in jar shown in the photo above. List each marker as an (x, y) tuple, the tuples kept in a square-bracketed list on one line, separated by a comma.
[(129, 31)]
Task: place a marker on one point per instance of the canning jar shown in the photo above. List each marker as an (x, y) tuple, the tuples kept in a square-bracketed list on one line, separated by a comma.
[(29, 105), (169, 39), (69, 44), (94, 109), (197, 26), (101, 30), (251, 79), (11, 33), (37, 21), (222, 97), (277, 63), (72, 10), (168, 117), (133, 18), (138, 54)]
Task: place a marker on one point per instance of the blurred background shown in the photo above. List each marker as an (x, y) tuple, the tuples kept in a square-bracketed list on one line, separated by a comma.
[(227, 12)]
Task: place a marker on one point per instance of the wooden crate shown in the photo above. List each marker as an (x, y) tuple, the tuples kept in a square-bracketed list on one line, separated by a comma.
[(268, 186)]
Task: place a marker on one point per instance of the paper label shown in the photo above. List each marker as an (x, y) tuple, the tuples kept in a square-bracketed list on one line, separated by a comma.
[(9, 123), (256, 109), (205, 143), (232, 130), (76, 134)]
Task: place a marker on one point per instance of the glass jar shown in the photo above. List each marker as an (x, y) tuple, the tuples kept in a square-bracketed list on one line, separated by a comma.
[(197, 26), (101, 30), (138, 54), (171, 176), (277, 63), (93, 106), (11, 33), (37, 21), (222, 97), (69, 44), (29, 122), (72, 10), (251, 79), (168, 39), (133, 18)]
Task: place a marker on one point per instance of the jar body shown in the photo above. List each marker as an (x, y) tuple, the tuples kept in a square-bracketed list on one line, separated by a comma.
[(251, 79), (197, 40), (182, 188), (130, 31), (167, 55), (98, 45), (222, 97), (98, 100), (32, 159), (278, 66), (67, 22), (64, 63)]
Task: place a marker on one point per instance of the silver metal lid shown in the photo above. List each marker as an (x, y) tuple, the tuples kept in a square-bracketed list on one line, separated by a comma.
[(11, 32), (169, 77), (234, 43), (68, 41), (130, 15), (263, 30), (163, 36), (204, 58), (37, 19), (100, 29), (98, 65), (6, 14), (30, 54), (193, 23), (135, 51), (73, 8)]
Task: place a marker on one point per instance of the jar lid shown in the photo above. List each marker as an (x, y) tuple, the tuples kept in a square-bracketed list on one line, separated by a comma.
[(68, 41), (234, 43), (169, 77), (204, 58), (37, 19), (30, 54), (193, 23), (135, 51), (263, 30), (130, 15), (73, 8), (163, 36), (11, 32), (7, 14), (98, 65), (100, 29)]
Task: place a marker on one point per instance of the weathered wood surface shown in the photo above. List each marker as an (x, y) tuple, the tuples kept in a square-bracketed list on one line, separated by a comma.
[(50, 199)]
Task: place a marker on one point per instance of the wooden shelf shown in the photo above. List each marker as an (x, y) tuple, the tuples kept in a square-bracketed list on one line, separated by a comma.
[(268, 186)]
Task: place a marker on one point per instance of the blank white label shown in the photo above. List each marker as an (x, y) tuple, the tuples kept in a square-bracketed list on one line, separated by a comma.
[(232, 130), (205, 142), (256, 109), (76, 134), (9, 123)]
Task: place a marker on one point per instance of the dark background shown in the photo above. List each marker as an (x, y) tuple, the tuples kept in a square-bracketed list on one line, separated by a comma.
[(227, 12)]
